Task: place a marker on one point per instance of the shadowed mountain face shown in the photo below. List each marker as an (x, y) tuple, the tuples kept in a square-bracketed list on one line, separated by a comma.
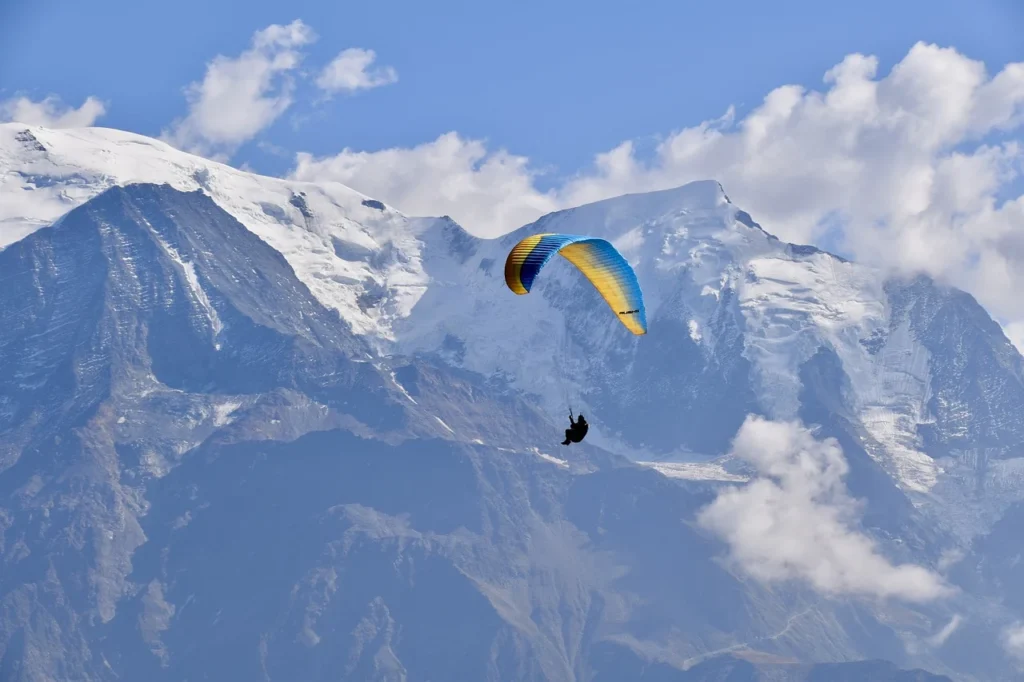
[(208, 473), (204, 478)]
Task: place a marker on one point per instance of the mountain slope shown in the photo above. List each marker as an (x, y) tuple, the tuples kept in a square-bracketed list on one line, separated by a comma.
[(145, 323), (327, 233), (190, 412), (217, 385), (194, 417)]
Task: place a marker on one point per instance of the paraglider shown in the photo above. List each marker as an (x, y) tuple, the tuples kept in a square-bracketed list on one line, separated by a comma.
[(576, 432), (597, 259)]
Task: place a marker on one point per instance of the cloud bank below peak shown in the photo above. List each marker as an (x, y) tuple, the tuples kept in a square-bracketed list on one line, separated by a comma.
[(766, 522)]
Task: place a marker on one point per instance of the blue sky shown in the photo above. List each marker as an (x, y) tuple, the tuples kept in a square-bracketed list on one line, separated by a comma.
[(557, 82)]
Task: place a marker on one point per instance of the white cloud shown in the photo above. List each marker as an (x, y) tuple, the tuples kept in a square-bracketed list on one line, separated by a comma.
[(51, 112), (1013, 641), (943, 635), (353, 70), (949, 558), (916, 646), (487, 192), (1015, 333), (795, 520), (908, 165), (241, 96)]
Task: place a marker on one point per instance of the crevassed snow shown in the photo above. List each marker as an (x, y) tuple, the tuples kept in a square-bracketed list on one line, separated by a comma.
[(893, 395), (796, 306), (793, 307)]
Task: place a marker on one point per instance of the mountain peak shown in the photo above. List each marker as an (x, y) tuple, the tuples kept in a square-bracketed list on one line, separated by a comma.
[(707, 193), (608, 218), (46, 172)]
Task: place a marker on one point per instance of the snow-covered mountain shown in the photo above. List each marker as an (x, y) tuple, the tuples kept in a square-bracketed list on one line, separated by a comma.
[(250, 424)]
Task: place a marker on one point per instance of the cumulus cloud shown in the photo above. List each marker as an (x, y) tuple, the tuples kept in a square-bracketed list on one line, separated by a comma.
[(903, 170), (796, 521), (449, 176), (241, 96), (51, 112), (353, 70)]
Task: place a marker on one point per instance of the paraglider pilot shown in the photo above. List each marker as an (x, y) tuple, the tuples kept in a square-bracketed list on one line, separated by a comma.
[(576, 432)]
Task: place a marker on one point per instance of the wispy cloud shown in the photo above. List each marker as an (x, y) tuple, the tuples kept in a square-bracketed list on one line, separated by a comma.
[(51, 112), (916, 645), (353, 69), (942, 636), (241, 96), (796, 521)]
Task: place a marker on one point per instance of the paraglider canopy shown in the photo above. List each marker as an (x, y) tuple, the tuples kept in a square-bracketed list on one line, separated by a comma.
[(597, 259)]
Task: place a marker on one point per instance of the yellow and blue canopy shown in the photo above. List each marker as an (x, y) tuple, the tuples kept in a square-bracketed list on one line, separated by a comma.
[(597, 259)]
